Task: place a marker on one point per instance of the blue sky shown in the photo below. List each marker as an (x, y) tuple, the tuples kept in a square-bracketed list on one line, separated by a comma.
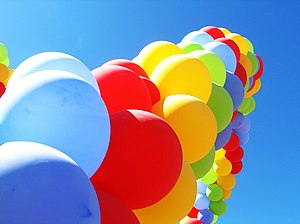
[(98, 31)]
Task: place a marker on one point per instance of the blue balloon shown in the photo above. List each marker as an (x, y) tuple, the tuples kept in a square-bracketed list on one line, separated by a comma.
[(201, 187), (58, 109), (198, 37), (244, 127), (224, 52), (206, 216), (53, 61), (202, 202), (237, 122), (244, 138), (235, 88), (39, 184), (223, 137)]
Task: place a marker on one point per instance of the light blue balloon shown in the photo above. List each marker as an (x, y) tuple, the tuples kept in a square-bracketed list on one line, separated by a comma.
[(238, 121), (58, 109), (206, 216), (53, 61), (41, 185), (224, 52), (198, 37), (244, 138), (244, 127), (201, 202), (201, 187), (235, 88)]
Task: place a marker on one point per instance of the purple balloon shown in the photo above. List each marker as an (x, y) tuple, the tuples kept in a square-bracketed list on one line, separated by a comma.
[(235, 88), (244, 127), (237, 122), (206, 216), (223, 137)]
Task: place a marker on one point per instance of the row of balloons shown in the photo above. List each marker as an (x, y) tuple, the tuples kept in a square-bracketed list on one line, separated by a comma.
[(157, 139)]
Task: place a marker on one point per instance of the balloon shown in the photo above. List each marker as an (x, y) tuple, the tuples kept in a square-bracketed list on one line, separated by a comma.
[(235, 88), (241, 73), (39, 184), (260, 69), (8, 77), (237, 167), (214, 192), (4, 72), (221, 104), (246, 63), (58, 109), (199, 37), (250, 46), (233, 143), (223, 137), (240, 41), (245, 104), (214, 32), (244, 138), (220, 154), (226, 182), (206, 216), (2, 89), (201, 187), (175, 205), (129, 65), (252, 105), (5, 62), (193, 221), (224, 30), (122, 89), (222, 167), (214, 65), (193, 213), (143, 151), (218, 207), (215, 219), (202, 202), (255, 89), (113, 210), (182, 74), (232, 45), (224, 52), (188, 47), (254, 63), (155, 52), (187, 114), (226, 194), (210, 177), (234, 115), (236, 155), (53, 61), (202, 166), (3, 52), (238, 121), (153, 90), (244, 127)]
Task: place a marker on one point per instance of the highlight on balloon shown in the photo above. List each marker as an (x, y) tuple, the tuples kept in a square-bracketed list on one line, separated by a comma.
[(156, 139)]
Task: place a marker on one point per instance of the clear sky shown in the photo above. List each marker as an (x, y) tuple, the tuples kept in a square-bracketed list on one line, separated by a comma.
[(267, 190)]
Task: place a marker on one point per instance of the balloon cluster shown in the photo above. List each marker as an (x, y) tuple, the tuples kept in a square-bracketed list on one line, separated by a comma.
[(5, 72), (154, 140)]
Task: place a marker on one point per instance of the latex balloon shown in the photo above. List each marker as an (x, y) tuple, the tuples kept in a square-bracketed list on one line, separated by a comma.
[(202, 166), (176, 204), (183, 74), (221, 104), (218, 207), (237, 167), (226, 182), (255, 89), (202, 202), (188, 47), (199, 37), (187, 114), (234, 115), (224, 52), (251, 107), (201, 187), (214, 192), (193, 213), (130, 65), (8, 77), (244, 138), (113, 210), (238, 121), (241, 73), (260, 69), (213, 31), (236, 155), (250, 45), (223, 137), (235, 88), (222, 167), (39, 184), (214, 65), (244, 127), (3, 52), (224, 30), (226, 194), (210, 177), (232, 45), (5, 62), (233, 143), (122, 89), (143, 151), (215, 219), (58, 109), (240, 41), (53, 61), (244, 106), (2, 89), (206, 216), (155, 52), (220, 154), (153, 90), (246, 63), (254, 63), (4, 72)]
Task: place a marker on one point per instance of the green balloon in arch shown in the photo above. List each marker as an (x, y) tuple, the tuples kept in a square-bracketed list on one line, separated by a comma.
[(218, 207), (254, 63), (202, 166), (188, 47)]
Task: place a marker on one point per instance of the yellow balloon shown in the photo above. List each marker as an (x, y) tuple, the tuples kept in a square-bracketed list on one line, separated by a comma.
[(182, 74), (193, 122), (220, 154), (227, 182), (226, 194), (240, 41), (224, 30), (10, 72), (176, 205), (254, 90), (245, 61), (222, 167), (4, 72), (155, 52)]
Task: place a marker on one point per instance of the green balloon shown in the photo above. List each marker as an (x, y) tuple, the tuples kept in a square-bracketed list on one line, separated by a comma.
[(202, 166), (250, 45), (210, 177), (254, 63), (245, 104), (215, 219), (6, 61), (213, 63), (218, 207), (251, 107), (188, 47), (214, 192), (3, 52), (221, 105)]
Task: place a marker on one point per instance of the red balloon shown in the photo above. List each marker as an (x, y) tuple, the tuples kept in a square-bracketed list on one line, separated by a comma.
[(234, 115), (114, 211), (241, 73), (213, 31), (260, 71), (236, 167), (143, 161), (122, 89), (193, 213), (130, 65), (153, 90), (2, 89), (232, 45), (193, 221), (233, 143), (236, 155)]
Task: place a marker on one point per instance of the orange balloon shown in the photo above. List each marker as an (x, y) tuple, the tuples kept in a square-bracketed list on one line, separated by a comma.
[(245, 61)]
